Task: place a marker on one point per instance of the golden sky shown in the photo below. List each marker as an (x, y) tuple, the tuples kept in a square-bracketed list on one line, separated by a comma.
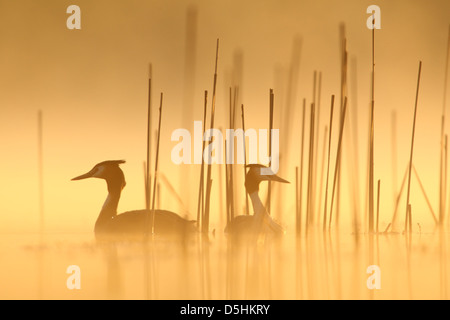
[(91, 85)]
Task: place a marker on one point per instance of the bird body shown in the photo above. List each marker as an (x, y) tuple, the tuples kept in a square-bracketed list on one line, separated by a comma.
[(131, 222), (137, 221)]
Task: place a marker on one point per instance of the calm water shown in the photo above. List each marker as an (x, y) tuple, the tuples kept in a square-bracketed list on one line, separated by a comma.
[(314, 267)]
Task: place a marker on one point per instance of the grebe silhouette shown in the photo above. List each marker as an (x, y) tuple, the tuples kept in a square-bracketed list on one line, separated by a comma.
[(131, 222), (260, 221)]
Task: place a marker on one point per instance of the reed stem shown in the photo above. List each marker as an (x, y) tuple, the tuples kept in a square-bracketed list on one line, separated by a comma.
[(412, 138), (316, 155), (245, 160), (230, 168), (201, 192), (322, 170), (205, 221), (344, 63), (299, 221), (443, 180), (397, 201), (309, 212), (269, 190), (328, 165), (338, 159), (156, 163), (371, 135), (149, 130)]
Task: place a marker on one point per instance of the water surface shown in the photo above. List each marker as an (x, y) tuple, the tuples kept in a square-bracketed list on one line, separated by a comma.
[(317, 266)]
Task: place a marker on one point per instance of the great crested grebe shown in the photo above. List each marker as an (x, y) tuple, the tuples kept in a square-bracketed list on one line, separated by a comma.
[(260, 221), (131, 222)]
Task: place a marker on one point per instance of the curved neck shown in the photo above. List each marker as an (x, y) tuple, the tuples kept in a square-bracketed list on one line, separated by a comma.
[(109, 209), (257, 204)]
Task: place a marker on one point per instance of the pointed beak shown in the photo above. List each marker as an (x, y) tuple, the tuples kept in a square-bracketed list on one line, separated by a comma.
[(84, 176), (274, 177)]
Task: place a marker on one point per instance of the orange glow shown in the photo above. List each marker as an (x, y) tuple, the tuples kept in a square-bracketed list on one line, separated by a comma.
[(91, 85)]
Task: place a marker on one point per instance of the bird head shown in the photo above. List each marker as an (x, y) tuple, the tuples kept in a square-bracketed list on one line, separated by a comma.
[(254, 177), (107, 170)]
